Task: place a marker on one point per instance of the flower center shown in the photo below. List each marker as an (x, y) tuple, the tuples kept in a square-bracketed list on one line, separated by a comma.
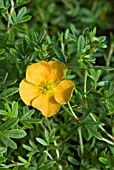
[(46, 87)]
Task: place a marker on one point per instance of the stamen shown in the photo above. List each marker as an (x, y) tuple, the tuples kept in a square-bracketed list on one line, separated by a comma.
[(46, 87)]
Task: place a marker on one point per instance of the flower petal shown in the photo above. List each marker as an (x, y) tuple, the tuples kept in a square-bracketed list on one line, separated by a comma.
[(57, 71), (38, 72), (63, 91), (46, 104), (28, 91)]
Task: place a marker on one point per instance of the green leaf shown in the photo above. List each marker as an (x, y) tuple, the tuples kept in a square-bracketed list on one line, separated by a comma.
[(94, 31), (14, 17), (54, 147), (87, 112), (93, 132), (42, 142), (103, 46), (27, 147), (102, 83), (2, 57), (96, 94), (69, 135), (21, 2), (28, 40), (24, 19), (46, 135), (8, 142), (28, 114), (2, 150), (3, 112), (48, 165), (81, 43), (72, 37), (33, 145), (2, 159), (2, 51), (8, 124), (26, 124), (104, 160), (41, 36), (73, 161), (22, 159), (2, 4), (8, 92), (42, 160), (73, 29), (33, 120), (102, 38), (21, 12), (111, 109), (63, 163), (59, 54), (15, 133), (104, 67), (15, 109)]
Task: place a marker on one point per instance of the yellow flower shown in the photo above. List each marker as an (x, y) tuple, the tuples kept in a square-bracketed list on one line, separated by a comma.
[(44, 87)]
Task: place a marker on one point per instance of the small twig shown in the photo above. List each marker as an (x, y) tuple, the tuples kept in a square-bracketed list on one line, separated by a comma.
[(109, 135), (58, 165), (9, 16), (13, 165), (81, 140), (57, 151), (110, 55), (85, 82), (73, 114)]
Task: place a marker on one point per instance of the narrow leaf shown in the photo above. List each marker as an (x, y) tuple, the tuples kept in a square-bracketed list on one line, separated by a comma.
[(2, 51), (73, 29), (15, 109), (1, 4), (48, 165), (42, 142), (81, 43), (2, 159), (22, 159), (28, 114), (69, 135), (59, 53), (21, 12), (15, 133), (24, 19), (8, 124), (8, 92), (41, 160), (8, 142), (3, 112), (41, 36), (73, 161), (3, 150)]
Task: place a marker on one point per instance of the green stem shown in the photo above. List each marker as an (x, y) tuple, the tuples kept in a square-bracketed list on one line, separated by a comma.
[(58, 165), (12, 165), (73, 114), (81, 140), (9, 16), (110, 55), (107, 141), (85, 82), (109, 135), (55, 143)]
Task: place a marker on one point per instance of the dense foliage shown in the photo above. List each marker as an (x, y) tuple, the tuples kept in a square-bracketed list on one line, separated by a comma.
[(79, 35)]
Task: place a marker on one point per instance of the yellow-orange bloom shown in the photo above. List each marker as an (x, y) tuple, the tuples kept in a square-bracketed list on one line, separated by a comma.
[(44, 87)]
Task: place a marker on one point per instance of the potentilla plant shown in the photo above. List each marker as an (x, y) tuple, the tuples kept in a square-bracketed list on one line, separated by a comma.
[(56, 101)]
